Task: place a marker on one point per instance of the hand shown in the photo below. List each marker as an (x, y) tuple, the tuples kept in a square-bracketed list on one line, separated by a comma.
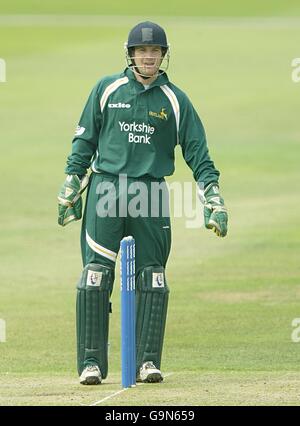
[(69, 199), (215, 212)]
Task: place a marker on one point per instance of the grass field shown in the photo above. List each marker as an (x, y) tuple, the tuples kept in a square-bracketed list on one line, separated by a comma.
[(232, 302), (155, 7)]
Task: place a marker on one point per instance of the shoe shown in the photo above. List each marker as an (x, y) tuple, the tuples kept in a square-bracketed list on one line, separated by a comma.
[(149, 373), (91, 375)]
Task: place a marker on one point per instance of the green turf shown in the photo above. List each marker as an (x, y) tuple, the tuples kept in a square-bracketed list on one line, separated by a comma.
[(232, 302), (155, 7)]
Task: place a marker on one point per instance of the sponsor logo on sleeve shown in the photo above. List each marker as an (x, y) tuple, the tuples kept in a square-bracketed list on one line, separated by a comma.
[(79, 131)]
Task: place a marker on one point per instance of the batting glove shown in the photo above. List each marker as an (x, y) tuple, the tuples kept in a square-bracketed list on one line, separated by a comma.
[(215, 212), (69, 199)]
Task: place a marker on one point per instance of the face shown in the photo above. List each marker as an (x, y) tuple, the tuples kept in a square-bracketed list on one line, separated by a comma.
[(148, 59)]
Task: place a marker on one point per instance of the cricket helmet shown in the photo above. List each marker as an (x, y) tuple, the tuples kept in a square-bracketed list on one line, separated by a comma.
[(147, 34)]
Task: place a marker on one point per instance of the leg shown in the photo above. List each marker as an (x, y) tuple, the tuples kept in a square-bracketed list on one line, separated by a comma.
[(100, 243), (153, 242), (152, 294), (92, 307)]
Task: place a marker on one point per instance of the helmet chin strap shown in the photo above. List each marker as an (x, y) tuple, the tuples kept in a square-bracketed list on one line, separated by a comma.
[(131, 63), (139, 72), (145, 77)]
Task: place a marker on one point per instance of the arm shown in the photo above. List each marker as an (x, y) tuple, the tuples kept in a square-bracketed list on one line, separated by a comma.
[(193, 143), (195, 152), (84, 146), (85, 142)]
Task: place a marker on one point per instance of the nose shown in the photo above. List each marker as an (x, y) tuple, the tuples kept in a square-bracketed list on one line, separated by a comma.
[(150, 55)]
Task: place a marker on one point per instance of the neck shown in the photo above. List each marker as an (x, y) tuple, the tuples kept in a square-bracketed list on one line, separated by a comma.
[(143, 80)]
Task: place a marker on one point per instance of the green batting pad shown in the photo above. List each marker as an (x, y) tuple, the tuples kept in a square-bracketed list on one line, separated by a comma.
[(92, 316), (152, 294)]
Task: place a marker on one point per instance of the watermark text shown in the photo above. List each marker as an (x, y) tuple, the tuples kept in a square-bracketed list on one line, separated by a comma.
[(296, 70), (2, 331), (295, 336), (2, 71), (127, 198)]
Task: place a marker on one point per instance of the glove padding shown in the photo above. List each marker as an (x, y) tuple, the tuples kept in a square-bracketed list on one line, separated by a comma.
[(69, 199), (215, 212)]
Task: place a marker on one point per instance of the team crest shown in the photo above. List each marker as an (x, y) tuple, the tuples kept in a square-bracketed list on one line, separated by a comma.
[(94, 278), (162, 114), (158, 280)]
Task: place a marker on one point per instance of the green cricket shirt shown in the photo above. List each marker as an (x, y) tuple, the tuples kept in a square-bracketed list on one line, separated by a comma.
[(125, 128)]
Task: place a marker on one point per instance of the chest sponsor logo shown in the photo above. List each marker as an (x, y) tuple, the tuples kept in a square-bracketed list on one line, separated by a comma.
[(137, 132), (162, 114), (119, 105)]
